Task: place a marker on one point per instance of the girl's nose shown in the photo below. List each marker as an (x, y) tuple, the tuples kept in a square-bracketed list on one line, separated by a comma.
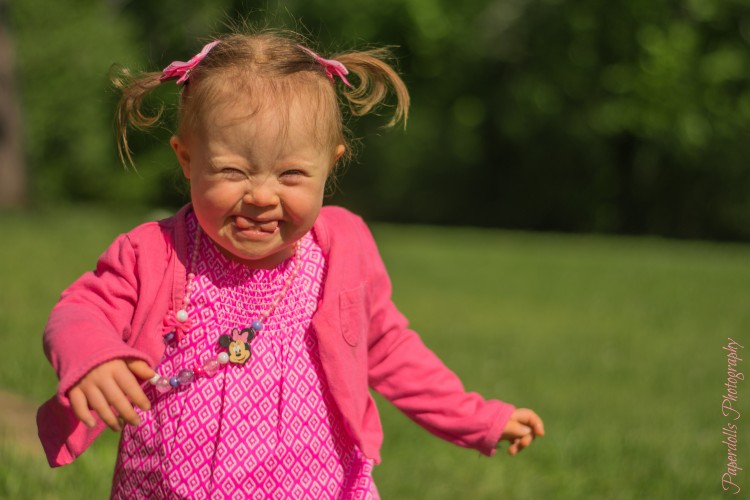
[(261, 195)]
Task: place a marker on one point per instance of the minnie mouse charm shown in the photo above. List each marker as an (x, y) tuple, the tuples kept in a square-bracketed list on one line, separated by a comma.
[(238, 345)]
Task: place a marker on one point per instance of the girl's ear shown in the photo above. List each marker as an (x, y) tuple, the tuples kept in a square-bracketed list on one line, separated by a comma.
[(340, 150), (182, 153)]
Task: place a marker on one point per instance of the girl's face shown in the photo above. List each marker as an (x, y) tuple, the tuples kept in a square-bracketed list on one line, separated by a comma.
[(257, 181)]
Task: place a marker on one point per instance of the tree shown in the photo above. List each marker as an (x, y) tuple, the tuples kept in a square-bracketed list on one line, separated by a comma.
[(12, 166)]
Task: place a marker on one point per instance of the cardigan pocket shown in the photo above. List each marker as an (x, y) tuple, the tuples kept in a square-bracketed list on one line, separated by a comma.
[(352, 313)]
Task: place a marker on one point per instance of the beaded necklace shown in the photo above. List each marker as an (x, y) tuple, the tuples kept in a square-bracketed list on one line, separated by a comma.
[(237, 342)]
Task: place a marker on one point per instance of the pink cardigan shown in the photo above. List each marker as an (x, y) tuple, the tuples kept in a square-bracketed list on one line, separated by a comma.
[(118, 310)]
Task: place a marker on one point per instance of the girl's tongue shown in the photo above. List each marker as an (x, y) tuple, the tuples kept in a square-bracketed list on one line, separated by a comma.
[(244, 224)]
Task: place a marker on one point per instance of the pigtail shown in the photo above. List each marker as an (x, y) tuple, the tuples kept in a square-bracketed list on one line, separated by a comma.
[(375, 78), (130, 111), (241, 60)]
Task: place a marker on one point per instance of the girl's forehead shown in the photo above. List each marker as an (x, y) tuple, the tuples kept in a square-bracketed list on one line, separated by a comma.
[(270, 114), (271, 121), (260, 133)]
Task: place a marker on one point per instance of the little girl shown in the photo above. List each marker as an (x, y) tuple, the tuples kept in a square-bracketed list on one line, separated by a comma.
[(239, 337)]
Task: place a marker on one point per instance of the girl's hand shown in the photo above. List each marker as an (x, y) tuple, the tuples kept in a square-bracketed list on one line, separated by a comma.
[(111, 389), (524, 425)]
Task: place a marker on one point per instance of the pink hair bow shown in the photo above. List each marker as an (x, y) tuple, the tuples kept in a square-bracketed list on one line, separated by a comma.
[(332, 66), (181, 70)]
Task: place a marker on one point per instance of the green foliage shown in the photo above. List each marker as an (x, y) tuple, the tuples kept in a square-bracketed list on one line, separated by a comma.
[(578, 116), (64, 51), (616, 342), (555, 115)]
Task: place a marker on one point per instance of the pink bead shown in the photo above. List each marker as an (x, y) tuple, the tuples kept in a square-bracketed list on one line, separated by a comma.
[(162, 385), (211, 366), (185, 376), (199, 371)]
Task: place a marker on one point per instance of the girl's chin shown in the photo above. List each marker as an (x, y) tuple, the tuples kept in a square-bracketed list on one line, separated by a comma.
[(258, 258)]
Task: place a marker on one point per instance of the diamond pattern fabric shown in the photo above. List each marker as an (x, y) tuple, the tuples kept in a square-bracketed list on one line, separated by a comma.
[(265, 429)]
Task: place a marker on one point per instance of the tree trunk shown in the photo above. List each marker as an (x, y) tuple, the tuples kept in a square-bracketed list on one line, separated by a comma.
[(12, 168)]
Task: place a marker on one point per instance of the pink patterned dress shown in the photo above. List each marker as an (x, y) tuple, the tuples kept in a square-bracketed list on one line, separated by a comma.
[(266, 429)]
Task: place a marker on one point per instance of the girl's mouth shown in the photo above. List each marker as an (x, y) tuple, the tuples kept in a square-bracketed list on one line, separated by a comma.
[(252, 225)]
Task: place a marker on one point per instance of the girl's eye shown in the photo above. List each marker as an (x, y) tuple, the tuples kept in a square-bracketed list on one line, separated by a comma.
[(232, 171), (292, 176), (292, 172)]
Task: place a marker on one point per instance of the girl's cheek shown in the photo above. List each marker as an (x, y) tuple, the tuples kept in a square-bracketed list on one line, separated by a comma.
[(221, 193)]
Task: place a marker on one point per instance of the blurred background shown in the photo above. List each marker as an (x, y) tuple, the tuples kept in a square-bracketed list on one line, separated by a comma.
[(571, 198), (629, 118)]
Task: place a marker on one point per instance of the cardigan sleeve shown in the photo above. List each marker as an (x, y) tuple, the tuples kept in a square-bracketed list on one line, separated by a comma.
[(416, 381), (97, 319), (91, 323), (106, 314)]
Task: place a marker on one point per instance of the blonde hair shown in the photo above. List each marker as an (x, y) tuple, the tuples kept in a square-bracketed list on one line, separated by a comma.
[(267, 67)]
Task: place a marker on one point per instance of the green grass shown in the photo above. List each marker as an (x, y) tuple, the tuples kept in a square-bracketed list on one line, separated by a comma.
[(615, 342)]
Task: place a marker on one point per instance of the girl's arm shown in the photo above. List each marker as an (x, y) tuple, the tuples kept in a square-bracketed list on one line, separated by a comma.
[(115, 312), (92, 321), (415, 380)]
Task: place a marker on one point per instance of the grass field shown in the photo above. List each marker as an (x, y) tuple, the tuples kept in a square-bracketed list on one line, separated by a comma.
[(615, 342)]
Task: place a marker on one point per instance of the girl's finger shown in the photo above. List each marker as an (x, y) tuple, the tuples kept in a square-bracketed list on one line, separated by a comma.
[(136, 395), (520, 443), (539, 427), (517, 429), (525, 441), (513, 448), (119, 401), (530, 419), (140, 369), (80, 406), (100, 405), (132, 389)]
